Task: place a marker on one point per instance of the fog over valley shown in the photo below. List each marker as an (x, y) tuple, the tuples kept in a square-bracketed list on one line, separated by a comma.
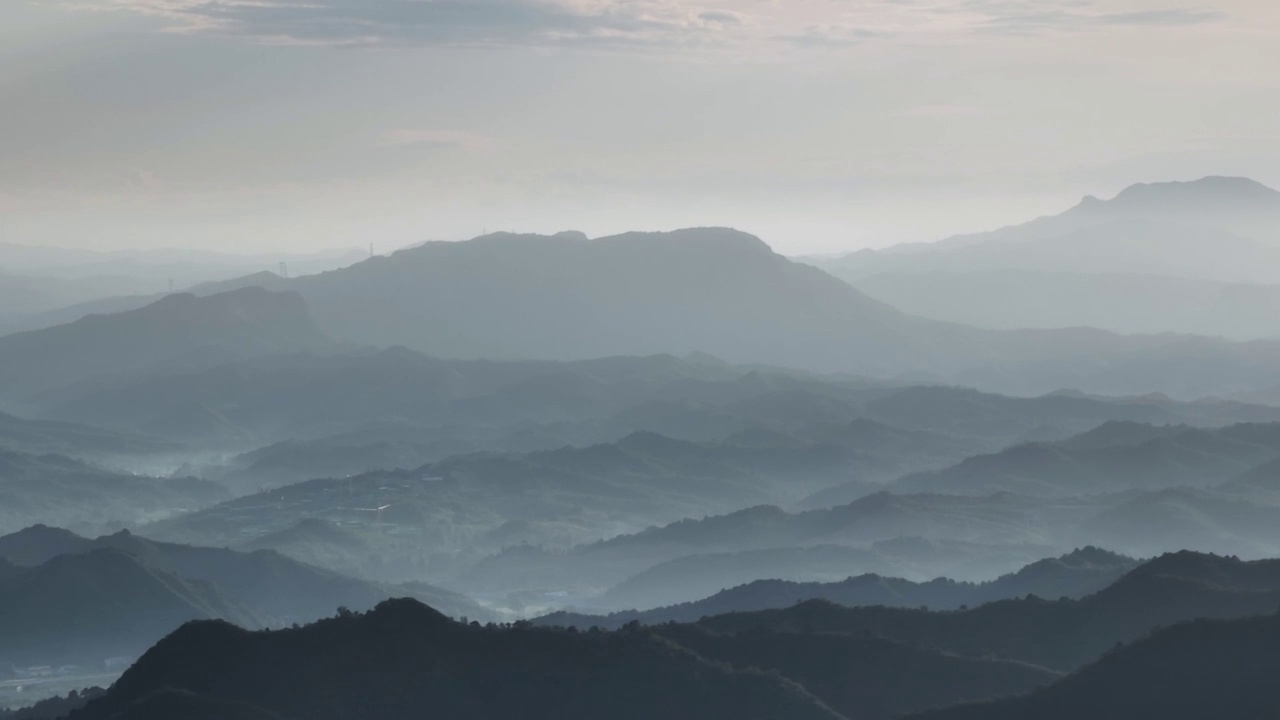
[(639, 360)]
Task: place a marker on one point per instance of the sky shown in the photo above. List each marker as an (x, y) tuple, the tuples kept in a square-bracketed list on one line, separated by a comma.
[(822, 126)]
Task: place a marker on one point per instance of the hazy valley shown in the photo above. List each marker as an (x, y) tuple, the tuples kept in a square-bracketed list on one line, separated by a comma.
[(589, 469)]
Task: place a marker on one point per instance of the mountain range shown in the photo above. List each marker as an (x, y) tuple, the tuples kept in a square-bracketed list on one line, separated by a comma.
[(403, 659), (1074, 575), (1111, 458), (722, 292), (65, 599), (1197, 257), (60, 490), (177, 332), (1004, 659), (275, 589), (1060, 634)]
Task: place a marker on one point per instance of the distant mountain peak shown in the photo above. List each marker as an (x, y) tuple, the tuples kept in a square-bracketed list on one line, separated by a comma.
[(721, 239), (1092, 555), (1181, 196)]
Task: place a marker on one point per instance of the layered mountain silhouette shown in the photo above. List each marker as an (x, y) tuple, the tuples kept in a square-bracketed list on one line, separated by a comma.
[(1216, 228), (43, 437), (700, 290), (1013, 298), (1082, 572), (1061, 634), (86, 608), (726, 293), (58, 490), (1108, 459), (1004, 659), (565, 297), (484, 502), (404, 659), (394, 406), (1197, 257), (271, 588), (177, 332), (696, 558)]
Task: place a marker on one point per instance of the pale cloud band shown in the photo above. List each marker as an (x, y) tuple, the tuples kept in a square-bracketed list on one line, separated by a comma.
[(632, 23)]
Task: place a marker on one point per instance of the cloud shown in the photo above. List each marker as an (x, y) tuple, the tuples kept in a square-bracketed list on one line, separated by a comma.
[(1048, 16), (433, 22), (1162, 17), (810, 23), (434, 139)]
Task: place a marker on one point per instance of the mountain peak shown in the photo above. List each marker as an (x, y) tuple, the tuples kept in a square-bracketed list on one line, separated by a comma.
[(406, 614), (718, 239), (724, 239), (1211, 191)]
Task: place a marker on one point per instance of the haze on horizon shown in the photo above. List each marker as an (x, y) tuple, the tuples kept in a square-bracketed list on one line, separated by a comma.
[(820, 126)]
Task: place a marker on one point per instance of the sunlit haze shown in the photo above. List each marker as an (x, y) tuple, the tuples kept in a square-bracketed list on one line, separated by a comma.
[(820, 125)]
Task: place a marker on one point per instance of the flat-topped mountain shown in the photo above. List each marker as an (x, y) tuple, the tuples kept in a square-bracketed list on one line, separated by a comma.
[(563, 297), (722, 292)]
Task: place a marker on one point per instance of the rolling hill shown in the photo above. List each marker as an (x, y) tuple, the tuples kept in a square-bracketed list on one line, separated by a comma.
[(58, 490), (1217, 228), (178, 331), (1198, 669), (1197, 257), (717, 291), (1112, 458), (726, 293), (1009, 299), (1074, 575), (1061, 634), (85, 608), (275, 589)]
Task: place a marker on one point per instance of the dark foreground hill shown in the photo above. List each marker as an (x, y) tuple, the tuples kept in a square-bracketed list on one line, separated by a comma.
[(1196, 670), (404, 660), (863, 677)]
